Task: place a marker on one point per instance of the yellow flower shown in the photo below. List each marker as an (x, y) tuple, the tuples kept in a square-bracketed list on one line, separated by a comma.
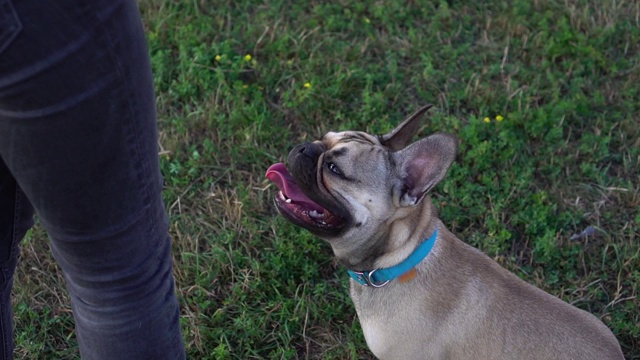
[(247, 57), (499, 118), (307, 85), (367, 20), (487, 120), (218, 57)]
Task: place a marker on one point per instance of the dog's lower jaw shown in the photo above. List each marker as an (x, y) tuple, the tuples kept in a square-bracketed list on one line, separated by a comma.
[(391, 244), (352, 255)]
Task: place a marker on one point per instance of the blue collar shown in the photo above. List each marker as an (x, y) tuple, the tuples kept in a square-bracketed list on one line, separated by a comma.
[(380, 277)]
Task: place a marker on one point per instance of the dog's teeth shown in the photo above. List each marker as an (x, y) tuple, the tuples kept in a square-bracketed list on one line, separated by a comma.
[(316, 214), (288, 201)]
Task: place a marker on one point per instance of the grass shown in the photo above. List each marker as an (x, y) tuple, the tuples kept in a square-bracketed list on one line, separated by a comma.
[(563, 75)]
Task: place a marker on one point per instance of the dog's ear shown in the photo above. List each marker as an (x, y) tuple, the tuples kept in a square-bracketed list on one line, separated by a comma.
[(401, 136), (422, 165)]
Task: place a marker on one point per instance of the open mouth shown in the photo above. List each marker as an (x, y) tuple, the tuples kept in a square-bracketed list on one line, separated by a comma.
[(297, 206)]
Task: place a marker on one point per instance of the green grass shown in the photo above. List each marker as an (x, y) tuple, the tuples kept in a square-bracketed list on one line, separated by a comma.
[(564, 76)]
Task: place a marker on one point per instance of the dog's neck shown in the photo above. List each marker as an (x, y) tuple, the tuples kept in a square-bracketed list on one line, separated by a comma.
[(391, 247)]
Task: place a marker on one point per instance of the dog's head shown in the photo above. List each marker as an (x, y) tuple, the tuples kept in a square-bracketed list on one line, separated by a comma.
[(351, 186)]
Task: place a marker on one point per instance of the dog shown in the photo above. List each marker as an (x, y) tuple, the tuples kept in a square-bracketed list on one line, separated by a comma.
[(419, 291)]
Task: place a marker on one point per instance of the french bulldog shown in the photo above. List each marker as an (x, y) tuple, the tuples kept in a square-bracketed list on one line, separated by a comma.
[(419, 291)]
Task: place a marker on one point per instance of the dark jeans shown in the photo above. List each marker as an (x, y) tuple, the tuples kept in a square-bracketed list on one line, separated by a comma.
[(78, 144)]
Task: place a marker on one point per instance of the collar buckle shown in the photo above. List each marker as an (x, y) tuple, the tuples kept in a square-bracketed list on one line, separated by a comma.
[(365, 278)]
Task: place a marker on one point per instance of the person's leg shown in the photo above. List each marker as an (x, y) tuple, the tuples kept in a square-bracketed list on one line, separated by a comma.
[(78, 134), (16, 217)]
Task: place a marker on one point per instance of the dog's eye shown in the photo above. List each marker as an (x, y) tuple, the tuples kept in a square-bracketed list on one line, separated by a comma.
[(335, 169)]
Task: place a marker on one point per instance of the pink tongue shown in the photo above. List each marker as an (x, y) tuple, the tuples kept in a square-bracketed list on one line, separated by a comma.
[(284, 181)]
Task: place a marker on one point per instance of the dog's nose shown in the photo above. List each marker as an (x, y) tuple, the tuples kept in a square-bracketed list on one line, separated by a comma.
[(310, 150), (307, 152)]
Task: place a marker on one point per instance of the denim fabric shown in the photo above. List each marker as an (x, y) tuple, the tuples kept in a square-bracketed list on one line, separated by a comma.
[(78, 143)]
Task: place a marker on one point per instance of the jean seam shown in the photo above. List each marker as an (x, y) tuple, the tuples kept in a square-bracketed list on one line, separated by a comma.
[(133, 141)]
